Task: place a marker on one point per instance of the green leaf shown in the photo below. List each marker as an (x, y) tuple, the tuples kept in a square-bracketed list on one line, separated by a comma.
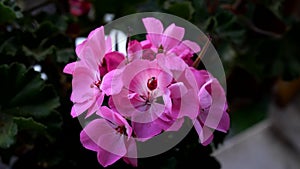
[(8, 47), (24, 93), (28, 124), (9, 12), (8, 130), (181, 9), (6, 14)]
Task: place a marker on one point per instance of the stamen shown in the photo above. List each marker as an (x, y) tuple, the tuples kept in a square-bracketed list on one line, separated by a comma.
[(97, 83), (121, 129), (160, 49)]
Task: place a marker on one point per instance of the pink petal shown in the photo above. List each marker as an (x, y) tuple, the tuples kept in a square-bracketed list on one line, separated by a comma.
[(131, 156), (69, 68), (205, 134), (134, 50), (172, 36), (122, 104), (146, 44), (164, 79), (92, 50), (170, 63), (177, 90), (201, 76), (115, 118), (87, 142), (79, 108), (192, 45), (136, 108), (154, 29), (79, 48), (83, 78), (113, 60), (97, 41), (186, 106), (91, 58), (105, 158), (224, 123), (95, 106), (216, 109), (112, 82), (145, 131), (106, 137), (205, 98)]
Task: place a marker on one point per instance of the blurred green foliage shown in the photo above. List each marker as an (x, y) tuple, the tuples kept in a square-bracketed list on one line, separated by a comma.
[(256, 40)]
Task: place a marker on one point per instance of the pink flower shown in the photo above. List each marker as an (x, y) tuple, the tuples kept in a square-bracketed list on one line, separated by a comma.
[(96, 59), (86, 94), (169, 40), (110, 137), (213, 107)]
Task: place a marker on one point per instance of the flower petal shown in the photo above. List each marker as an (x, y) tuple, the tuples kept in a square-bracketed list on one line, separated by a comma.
[(106, 137), (154, 29), (170, 63), (105, 158), (172, 36), (83, 78), (178, 90), (131, 156), (145, 131), (224, 123), (113, 60), (218, 103), (192, 45), (79, 108), (95, 106), (205, 134), (69, 68), (87, 142), (134, 50), (201, 76), (115, 118), (112, 82)]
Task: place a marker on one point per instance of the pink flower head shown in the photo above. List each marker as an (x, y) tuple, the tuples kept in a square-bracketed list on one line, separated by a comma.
[(96, 59), (213, 107), (110, 137), (168, 40), (149, 91)]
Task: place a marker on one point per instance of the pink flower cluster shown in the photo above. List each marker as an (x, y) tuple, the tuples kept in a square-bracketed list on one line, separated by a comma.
[(149, 90)]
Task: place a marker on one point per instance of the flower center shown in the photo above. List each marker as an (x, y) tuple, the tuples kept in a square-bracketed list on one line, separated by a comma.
[(152, 83), (121, 129), (96, 83), (160, 49)]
